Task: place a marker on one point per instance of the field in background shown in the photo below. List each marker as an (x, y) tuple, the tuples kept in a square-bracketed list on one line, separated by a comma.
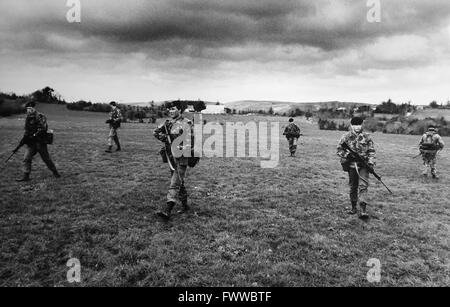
[(249, 226), (433, 113)]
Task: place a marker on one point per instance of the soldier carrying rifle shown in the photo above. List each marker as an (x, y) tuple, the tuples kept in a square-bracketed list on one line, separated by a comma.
[(36, 138), (176, 133), (357, 152), (430, 144), (292, 133), (115, 118)]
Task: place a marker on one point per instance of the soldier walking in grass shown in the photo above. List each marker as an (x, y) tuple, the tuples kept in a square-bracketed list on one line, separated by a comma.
[(169, 132), (361, 143), (36, 140), (115, 118), (292, 133), (430, 144)]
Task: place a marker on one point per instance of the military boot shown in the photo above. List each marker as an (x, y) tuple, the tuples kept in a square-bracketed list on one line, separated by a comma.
[(354, 210), (363, 214), (165, 212), (25, 177), (109, 150)]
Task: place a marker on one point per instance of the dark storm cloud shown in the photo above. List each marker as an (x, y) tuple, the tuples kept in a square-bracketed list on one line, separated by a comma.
[(325, 24), (197, 29)]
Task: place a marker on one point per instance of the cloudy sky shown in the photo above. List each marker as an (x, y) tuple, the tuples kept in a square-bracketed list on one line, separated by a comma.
[(227, 50)]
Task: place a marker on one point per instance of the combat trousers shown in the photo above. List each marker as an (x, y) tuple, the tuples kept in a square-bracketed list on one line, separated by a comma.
[(177, 191), (429, 161), (31, 151), (359, 185), (112, 137), (292, 144)]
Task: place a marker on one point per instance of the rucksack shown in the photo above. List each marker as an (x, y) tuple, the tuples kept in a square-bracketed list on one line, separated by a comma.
[(429, 144), (292, 131)]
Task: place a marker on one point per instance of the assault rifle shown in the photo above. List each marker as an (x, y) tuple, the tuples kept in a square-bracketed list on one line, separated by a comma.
[(361, 160), (168, 149), (22, 142)]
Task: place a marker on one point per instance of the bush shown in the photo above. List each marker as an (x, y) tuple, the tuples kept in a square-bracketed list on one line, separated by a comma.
[(10, 107), (325, 124), (343, 127)]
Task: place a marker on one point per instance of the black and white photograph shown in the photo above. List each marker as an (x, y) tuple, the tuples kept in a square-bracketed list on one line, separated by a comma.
[(242, 145)]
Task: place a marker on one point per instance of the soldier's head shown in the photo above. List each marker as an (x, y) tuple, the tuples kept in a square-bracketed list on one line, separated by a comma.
[(291, 120), (356, 124), (432, 128), (176, 108), (113, 104), (30, 106)]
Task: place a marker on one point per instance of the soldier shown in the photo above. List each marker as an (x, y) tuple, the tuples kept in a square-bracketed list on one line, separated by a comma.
[(361, 143), (292, 133), (115, 118), (430, 144), (35, 137), (168, 132)]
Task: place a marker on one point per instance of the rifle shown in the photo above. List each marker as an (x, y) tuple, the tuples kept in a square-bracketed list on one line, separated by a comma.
[(417, 155), (365, 164), (168, 151), (22, 142), (169, 155)]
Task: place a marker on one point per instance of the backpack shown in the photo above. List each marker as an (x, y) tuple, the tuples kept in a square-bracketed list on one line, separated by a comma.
[(292, 131), (429, 144), (49, 137)]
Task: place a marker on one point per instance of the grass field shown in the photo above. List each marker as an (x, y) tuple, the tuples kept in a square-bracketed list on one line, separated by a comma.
[(249, 226), (432, 113)]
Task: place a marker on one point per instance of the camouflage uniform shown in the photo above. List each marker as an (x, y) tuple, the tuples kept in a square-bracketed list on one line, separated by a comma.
[(115, 117), (429, 156), (292, 133), (359, 183), (34, 138), (177, 193)]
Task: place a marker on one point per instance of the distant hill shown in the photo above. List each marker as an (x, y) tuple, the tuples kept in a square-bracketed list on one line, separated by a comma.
[(145, 104), (285, 106)]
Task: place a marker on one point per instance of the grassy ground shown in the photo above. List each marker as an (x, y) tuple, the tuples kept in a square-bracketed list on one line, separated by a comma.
[(249, 226)]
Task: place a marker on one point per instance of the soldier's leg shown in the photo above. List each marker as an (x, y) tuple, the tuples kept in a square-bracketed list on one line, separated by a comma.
[(43, 151), (112, 133), (353, 183), (363, 190), (116, 140), (173, 195), (425, 165), (183, 194), (291, 144), (294, 145), (27, 160), (433, 167)]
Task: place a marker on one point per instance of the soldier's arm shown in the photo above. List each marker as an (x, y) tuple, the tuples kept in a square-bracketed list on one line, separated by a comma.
[(42, 125), (341, 152), (160, 133), (371, 154), (441, 142), (421, 140), (119, 115)]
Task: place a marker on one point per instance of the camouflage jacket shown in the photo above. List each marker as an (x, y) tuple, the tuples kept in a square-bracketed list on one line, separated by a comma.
[(116, 117), (175, 127), (35, 127), (361, 143), (292, 130), (435, 138)]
